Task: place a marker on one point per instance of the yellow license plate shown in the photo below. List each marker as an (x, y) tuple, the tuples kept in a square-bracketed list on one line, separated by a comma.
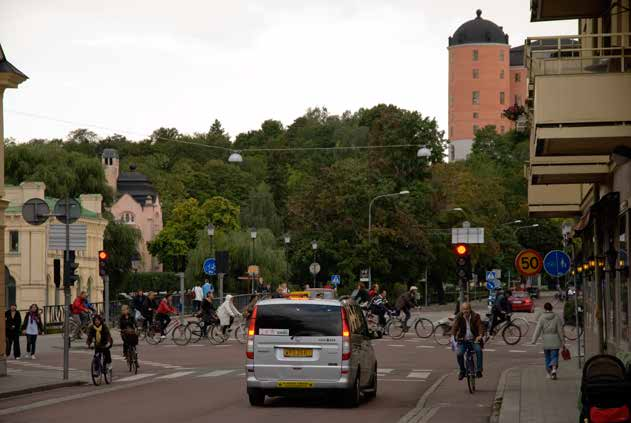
[(298, 352), (294, 384)]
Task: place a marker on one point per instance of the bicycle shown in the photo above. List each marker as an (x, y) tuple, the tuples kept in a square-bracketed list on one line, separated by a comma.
[(99, 370), (470, 367), (240, 328), (180, 333), (131, 356), (571, 332), (522, 324), (511, 333), (81, 329)]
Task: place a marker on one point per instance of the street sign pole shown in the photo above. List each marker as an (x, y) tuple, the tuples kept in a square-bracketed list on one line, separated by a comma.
[(181, 276), (221, 275), (426, 288), (67, 294), (106, 298)]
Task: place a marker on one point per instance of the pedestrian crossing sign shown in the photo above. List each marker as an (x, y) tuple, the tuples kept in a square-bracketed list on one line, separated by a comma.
[(335, 280)]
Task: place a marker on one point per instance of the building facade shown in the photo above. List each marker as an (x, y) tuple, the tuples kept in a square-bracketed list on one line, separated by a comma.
[(29, 264), (580, 153), (486, 77), (137, 204)]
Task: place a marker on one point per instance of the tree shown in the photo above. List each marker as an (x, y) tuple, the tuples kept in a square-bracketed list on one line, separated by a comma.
[(121, 243), (261, 210)]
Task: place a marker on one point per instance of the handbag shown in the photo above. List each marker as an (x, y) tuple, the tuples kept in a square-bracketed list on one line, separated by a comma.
[(565, 353)]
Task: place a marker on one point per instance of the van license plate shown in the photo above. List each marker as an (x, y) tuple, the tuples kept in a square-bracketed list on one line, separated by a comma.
[(298, 352), (294, 384)]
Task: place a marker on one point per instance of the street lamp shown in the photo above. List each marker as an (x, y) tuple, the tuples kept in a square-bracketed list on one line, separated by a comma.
[(235, 157), (314, 247), (405, 192), (514, 222), (253, 236), (287, 240), (526, 227), (210, 229), (424, 152)]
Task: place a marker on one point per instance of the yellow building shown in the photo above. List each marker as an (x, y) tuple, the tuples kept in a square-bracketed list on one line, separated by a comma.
[(29, 263), (580, 152)]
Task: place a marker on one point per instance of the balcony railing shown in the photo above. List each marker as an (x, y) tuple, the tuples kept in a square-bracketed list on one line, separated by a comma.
[(578, 54)]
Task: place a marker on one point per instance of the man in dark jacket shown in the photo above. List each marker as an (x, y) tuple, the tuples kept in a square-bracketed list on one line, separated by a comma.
[(149, 306), (468, 329), (406, 302), (360, 295), (13, 321)]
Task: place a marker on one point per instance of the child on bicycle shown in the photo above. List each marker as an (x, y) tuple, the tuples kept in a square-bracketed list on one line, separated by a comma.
[(100, 334), (127, 326)]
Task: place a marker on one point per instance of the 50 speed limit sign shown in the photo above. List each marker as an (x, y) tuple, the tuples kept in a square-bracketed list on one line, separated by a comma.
[(529, 262)]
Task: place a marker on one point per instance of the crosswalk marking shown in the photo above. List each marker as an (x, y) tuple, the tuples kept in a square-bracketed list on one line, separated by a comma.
[(426, 346), (396, 345), (216, 373), (386, 371), (419, 375), (174, 375), (489, 350), (136, 377), (517, 351)]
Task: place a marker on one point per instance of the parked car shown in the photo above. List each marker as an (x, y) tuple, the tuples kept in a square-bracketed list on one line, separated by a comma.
[(309, 345), (533, 291), (521, 301)]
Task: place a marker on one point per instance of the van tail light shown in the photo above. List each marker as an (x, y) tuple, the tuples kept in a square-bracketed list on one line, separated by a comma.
[(346, 338), (249, 352)]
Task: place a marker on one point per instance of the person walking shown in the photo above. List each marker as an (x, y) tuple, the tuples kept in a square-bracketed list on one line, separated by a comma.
[(199, 297), (206, 288), (31, 327), (550, 328), (13, 322)]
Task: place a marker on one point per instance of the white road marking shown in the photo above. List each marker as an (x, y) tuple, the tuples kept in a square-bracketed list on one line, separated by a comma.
[(216, 373), (419, 375), (379, 370), (396, 345), (401, 380), (175, 375), (517, 351), (241, 374), (489, 350), (135, 377), (425, 346), (196, 345)]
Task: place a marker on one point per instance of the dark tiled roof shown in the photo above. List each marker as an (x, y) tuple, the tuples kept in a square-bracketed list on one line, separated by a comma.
[(5, 66), (478, 31), (517, 56), (137, 185), (110, 153)]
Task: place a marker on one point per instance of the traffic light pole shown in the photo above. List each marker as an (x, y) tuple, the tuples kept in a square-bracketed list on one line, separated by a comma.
[(106, 298), (67, 294)]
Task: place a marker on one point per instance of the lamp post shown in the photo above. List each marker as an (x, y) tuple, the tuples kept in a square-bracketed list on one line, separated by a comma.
[(314, 247), (370, 222), (287, 240), (210, 229), (253, 237)]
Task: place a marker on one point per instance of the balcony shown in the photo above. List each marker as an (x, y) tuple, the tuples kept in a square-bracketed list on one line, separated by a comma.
[(580, 88), (551, 10), (568, 170), (556, 200)]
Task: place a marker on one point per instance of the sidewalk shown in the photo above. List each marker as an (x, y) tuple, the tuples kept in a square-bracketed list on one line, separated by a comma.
[(525, 395), (20, 382)]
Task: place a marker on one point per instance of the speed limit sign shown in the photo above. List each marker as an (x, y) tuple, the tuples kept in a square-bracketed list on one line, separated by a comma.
[(529, 262)]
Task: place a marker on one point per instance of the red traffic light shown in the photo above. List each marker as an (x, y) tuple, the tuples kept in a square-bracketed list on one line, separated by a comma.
[(462, 250), (103, 255)]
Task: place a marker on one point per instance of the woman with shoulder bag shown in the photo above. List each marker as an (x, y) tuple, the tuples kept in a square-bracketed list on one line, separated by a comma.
[(550, 328)]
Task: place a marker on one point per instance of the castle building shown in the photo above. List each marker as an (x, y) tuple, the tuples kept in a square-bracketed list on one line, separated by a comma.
[(486, 77), (136, 203)]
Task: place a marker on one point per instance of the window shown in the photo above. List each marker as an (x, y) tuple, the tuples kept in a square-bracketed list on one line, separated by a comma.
[(502, 97), (475, 55), (501, 55), (299, 320), (476, 73), (517, 77), (476, 115), (476, 128), (128, 217), (502, 74), (14, 241), (476, 97)]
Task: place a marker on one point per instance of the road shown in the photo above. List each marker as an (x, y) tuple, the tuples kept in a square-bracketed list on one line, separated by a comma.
[(201, 381)]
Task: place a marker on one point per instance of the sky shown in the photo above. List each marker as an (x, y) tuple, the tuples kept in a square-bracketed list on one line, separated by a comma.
[(132, 66)]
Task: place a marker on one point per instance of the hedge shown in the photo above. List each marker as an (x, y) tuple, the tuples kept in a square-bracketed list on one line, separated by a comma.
[(150, 281)]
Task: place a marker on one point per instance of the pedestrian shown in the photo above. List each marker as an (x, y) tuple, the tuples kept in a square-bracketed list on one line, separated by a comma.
[(206, 288), (226, 313), (31, 327), (550, 328), (199, 297), (13, 322)]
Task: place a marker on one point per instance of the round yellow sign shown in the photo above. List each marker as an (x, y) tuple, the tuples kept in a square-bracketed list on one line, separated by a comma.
[(529, 262)]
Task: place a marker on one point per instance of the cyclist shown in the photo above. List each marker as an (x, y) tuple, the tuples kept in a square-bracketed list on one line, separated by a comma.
[(137, 302), (374, 290), (378, 307), (80, 313), (254, 298), (149, 307), (162, 313), (405, 303), (209, 315), (127, 326), (468, 327), (500, 309), (100, 334), (360, 294), (227, 312)]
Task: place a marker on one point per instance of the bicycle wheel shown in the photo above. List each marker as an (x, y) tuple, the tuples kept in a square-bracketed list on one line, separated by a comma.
[(570, 332), (197, 332), (181, 335), (134, 362), (241, 334), (522, 324), (72, 330), (424, 328), (511, 334), (107, 374), (442, 334), (396, 329), (95, 370), (217, 335)]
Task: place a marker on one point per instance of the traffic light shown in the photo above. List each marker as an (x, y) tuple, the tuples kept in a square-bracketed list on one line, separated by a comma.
[(70, 267), (103, 256), (57, 272), (463, 261)]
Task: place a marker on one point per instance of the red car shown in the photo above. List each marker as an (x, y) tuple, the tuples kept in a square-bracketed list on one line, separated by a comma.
[(521, 301)]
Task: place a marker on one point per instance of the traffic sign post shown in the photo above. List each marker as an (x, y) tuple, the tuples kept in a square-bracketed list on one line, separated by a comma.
[(490, 280), (529, 263), (557, 263), (210, 266), (335, 280)]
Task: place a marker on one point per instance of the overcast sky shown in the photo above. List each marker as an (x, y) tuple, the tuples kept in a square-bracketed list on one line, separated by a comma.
[(131, 66)]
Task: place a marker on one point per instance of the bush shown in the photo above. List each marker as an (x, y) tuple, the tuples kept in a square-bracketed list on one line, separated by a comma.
[(397, 289), (569, 315), (150, 281)]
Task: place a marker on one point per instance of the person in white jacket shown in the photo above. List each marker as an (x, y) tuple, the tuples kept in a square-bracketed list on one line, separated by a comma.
[(199, 297), (226, 313), (551, 328)]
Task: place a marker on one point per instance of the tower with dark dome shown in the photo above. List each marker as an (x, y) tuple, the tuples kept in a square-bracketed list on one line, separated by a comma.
[(481, 77)]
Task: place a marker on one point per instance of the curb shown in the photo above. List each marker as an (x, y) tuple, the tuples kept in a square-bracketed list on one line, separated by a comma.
[(499, 396), (420, 411), (40, 388)]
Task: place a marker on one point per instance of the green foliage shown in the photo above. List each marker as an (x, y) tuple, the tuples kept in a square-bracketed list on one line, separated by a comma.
[(149, 281), (120, 241)]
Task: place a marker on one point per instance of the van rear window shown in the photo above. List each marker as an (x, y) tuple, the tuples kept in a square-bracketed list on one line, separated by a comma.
[(299, 319)]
